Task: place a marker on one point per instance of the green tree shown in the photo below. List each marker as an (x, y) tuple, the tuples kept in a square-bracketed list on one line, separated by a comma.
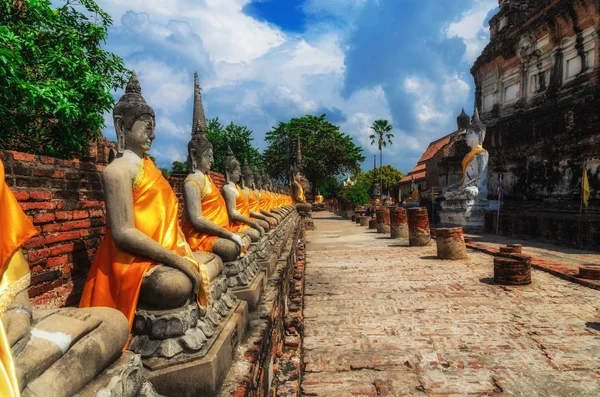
[(383, 136), (55, 79), (326, 151), (389, 175), (178, 166), (358, 193), (165, 172), (238, 137)]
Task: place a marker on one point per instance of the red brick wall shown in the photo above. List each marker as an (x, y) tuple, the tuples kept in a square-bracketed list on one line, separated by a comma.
[(65, 201)]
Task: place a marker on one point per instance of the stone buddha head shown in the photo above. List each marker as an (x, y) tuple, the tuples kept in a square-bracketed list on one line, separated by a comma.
[(134, 120), (257, 179), (247, 176), (297, 173), (476, 132), (232, 167), (265, 182), (200, 150)]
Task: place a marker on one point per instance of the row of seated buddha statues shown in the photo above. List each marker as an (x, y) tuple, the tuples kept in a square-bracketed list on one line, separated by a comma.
[(185, 290), (61, 352)]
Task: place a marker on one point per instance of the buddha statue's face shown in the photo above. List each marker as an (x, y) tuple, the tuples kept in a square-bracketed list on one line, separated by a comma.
[(140, 136), (472, 138), (205, 160), (249, 180), (234, 175), (297, 177)]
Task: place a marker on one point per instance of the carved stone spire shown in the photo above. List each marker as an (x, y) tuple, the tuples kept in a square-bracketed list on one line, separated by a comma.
[(199, 118), (298, 152), (463, 120)]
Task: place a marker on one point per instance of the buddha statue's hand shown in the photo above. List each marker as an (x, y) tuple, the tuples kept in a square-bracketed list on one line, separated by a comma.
[(238, 240), (188, 269), (261, 230)]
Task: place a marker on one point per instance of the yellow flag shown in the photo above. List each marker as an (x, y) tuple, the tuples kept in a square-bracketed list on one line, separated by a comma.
[(585, 187)]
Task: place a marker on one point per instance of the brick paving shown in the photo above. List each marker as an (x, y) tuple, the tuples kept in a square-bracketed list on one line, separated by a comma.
[(385, 319)]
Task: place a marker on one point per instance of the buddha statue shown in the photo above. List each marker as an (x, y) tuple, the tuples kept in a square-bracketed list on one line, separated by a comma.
[(319, 199), (143, 259), (249, 189), (56, 353), (297, 192), (238, 205), (205, 220), (474, 166), (266, 196), (263, 201), (464, 204)]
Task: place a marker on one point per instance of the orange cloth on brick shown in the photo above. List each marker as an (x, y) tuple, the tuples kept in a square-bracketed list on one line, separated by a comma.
[(466, 160), (253, 202), (300, 194), (15, 229), (242, 206), (116, 275), (213, 209)]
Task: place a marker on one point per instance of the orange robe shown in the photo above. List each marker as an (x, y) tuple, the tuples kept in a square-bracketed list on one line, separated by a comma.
[(300, 194), (213, 209), (15, 230), (242, 206), (264, 201), (116, 275), (253, 202)]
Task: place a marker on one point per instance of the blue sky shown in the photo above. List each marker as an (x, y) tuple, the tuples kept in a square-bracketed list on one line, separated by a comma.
[(265, 61)]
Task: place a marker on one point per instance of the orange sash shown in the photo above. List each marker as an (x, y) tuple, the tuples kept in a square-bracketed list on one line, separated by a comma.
[(213, 209), (116, 275), (253, 202), (15, 229), (263, 201), (466, 160), (300, 194), (242, 206)]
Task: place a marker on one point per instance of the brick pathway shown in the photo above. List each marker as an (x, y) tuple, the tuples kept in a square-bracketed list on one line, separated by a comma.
[(383, 319)]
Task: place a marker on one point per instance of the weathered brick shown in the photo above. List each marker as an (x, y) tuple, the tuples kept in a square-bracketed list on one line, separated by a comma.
[(82, 224), (64, 215), (43, 218), (62, 236), (51, 228), (61, 249), (80, 214), (35, 255), (42, 205), (21, 195), (34, 242), (57, 261), (24, 156)]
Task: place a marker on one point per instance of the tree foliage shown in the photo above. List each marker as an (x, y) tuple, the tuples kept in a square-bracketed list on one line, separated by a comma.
[(55, 79), (326, 151), (239, 138), (178, 166), (381, 133), (358, 193), (391, 177)]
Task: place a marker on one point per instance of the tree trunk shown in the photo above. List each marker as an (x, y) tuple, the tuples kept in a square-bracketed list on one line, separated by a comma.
[(380, 172)]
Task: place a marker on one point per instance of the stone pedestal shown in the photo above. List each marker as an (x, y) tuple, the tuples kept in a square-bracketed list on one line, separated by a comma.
[(383, 220), (372, 223), (418, 227), (513, 270), (364, 220), (512, 249), (468, 214), (398, 223), (201, 374), (251, 293), (450, 243), (590, 271), (124, 378)]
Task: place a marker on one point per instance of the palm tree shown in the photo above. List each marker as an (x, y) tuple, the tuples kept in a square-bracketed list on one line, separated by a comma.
[(383, 136)]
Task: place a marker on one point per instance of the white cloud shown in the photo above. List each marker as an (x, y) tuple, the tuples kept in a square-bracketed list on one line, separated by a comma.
[(469, 28)]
